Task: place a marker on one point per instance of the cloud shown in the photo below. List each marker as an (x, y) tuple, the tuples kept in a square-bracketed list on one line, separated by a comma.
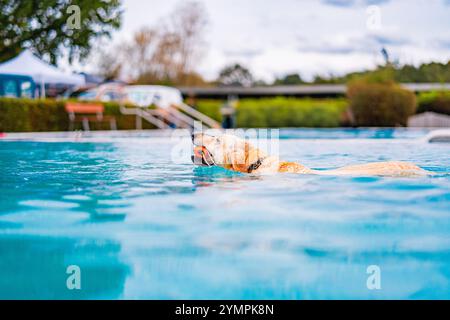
[(243, 53), (284, 60), (351, 3), (376, 2), (389, 40), (329, 47), (365, 43), (443, 44), (275, 37), (339, 3)]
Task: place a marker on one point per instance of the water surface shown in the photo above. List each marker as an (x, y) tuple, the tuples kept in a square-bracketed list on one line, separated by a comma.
[(140, 225)]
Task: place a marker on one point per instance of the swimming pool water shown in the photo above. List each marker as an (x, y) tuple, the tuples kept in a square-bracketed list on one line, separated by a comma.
[(141, 226)]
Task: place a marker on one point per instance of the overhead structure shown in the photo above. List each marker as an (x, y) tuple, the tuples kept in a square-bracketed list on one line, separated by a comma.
[(27, 64), (307, 90)]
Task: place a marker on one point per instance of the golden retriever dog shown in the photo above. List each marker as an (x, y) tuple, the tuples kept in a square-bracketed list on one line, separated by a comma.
[(233, 153)]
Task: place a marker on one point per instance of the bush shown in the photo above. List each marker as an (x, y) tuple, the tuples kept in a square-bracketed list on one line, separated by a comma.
[(437, 101), (380, 104), (26, 115)]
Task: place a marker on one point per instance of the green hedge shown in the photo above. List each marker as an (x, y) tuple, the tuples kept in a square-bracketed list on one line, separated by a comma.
[(290, 112), (210, 107), (124, 122), (380, 104), (280, 112), (438, 101), (25, 115), (372, 105), (22, 115)]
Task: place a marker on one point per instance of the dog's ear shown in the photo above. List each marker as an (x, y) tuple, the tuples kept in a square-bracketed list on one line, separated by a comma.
[(243, 158), (238, 157), (253, 155), (238, 161)]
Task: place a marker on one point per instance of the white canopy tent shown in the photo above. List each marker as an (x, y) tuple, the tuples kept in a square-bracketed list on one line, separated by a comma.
[(28, 64)]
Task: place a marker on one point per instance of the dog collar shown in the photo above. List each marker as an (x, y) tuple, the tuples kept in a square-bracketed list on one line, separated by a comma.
[(255, 165)]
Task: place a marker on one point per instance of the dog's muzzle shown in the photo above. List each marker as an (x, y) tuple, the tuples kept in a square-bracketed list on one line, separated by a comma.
[(202, 157)]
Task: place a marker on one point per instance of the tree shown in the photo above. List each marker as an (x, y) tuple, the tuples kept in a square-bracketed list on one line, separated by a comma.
[(290, 79), (47, 26), (386, 56), (187, 25), (166, 53), (138, 54), (428, 72), (109, 66), (235, 75)]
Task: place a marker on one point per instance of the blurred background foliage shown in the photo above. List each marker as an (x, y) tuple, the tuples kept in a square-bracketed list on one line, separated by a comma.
[(41, 25), (367, 104), (375, 99), (380, 104), (168, 53), (438, 101)]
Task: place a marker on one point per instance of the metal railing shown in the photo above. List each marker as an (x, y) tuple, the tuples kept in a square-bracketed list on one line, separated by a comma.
[(143, 114), (199, 116), (164, 118)]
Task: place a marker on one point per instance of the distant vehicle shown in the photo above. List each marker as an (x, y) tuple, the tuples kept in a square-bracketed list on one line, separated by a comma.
[(146, 95), (105, 93), (17, 86)]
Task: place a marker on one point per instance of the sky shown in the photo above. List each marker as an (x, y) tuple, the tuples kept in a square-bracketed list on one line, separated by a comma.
[(276, 37)]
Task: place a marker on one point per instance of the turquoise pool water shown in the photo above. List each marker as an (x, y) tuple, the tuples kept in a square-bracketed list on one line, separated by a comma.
[(142, 226)]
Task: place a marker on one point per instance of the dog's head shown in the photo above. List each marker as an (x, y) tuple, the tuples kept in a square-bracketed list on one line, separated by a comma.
[(227, 151)]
